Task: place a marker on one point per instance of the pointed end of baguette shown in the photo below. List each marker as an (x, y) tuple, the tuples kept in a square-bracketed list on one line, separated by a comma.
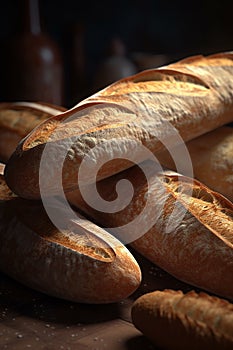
[(211, 208)]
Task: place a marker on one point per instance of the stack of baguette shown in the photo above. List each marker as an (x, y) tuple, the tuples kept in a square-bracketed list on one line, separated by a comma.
[(191, 102), (193, 97)]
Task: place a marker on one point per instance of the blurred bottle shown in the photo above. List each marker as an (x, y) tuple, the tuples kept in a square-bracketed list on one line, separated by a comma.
[(77, 63), (115, 65), (32, 68)]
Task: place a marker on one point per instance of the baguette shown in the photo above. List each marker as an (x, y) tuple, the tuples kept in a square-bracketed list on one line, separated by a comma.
[(154, 109), (17, 119), (174, 221), (212, 160), (173, 320), (81, 262)]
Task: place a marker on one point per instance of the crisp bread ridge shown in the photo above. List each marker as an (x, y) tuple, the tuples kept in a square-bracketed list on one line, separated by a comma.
[(175, 320)]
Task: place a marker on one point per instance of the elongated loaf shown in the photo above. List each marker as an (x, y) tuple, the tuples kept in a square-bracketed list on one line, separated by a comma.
[(17, 119), (192, 96), (81, 262), (212, 159), (176, 321), (176, 222)]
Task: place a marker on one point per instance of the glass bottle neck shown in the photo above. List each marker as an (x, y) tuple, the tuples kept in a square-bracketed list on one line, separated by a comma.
[(31, 21)]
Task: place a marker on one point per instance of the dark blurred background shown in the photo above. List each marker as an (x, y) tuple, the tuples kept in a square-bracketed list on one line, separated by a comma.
[(136, 35)]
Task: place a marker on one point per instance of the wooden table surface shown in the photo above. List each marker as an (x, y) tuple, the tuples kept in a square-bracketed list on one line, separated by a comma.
[(32, 320)]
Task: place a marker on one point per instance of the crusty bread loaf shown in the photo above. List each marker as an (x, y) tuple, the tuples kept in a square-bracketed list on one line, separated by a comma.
[(212, 159), (176, 321), (153, 109), (17, 119), (81, 262), (186, 228)]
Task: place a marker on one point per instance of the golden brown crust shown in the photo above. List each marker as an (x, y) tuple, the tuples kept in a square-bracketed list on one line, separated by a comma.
[(174, 320), (193, 243), (81, 262), (193, 95), (212, 160), (21, 118), (17, 119)]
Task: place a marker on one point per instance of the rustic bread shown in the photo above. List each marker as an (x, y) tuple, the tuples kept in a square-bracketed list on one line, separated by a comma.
[(212, 159), (81, 262), (17, 119), (154, 109), (176, 321), (186, 228)]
